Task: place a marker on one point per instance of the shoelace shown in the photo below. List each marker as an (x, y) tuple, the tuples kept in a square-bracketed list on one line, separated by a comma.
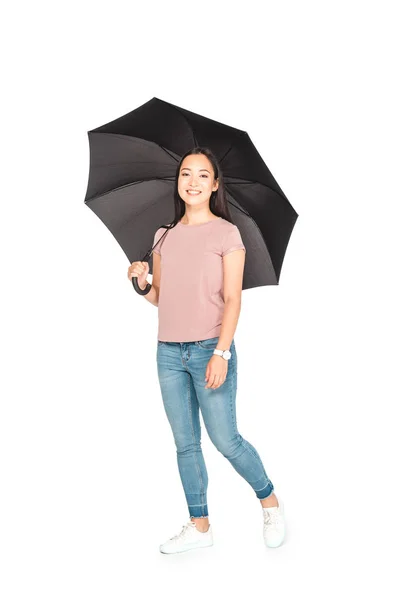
[(271, 518), (185, 528)]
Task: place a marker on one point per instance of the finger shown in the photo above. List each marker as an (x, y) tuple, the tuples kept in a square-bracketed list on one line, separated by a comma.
[(213, 379), (215, 385), (221, 380), (210, 381)]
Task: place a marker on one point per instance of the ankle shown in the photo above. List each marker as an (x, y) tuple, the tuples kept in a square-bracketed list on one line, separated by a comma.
[(270, 501), (202, 523)]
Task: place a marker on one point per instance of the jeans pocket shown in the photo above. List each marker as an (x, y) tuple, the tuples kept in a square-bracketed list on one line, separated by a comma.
[(209, 344)]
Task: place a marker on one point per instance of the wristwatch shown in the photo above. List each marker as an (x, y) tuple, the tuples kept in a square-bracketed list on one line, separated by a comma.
[(224, 353)]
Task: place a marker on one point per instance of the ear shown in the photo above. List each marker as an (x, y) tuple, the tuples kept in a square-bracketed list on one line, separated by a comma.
[(215, 186)]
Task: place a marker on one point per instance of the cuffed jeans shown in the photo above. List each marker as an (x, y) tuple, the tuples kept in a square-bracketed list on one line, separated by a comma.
[(181, 370)]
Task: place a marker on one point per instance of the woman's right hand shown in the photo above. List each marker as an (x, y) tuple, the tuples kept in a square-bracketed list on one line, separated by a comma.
[(140, 270)]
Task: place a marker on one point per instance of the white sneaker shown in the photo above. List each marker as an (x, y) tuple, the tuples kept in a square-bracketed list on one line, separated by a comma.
[(274, 525), (188, 539)]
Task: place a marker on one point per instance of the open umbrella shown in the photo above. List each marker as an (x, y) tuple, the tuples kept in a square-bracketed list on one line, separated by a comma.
[(133, 160)]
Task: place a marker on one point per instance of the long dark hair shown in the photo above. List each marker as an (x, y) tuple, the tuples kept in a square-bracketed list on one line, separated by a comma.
[(218, 200)]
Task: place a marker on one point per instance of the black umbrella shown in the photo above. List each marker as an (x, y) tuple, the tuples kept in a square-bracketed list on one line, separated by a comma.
[(131, 181)]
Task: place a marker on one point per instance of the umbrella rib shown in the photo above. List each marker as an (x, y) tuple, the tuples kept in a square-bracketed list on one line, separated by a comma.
[(255, 224), (244, 181), (226, 153), (240, 208), (121, 187), (187, 121), (136, 215), (130, 138), (169, 153)]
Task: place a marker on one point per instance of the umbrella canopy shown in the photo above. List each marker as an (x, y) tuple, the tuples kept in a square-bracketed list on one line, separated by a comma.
[(133, 162)]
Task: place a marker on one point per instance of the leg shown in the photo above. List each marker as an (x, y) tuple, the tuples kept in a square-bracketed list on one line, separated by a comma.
[(270, 501), (218, 408), (182, 410)]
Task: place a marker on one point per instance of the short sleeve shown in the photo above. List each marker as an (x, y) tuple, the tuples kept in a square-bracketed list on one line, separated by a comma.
[(232, 241), (158, 234)]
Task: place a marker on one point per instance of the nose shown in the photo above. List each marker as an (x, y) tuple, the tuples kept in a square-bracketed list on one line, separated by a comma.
[(193, 181)]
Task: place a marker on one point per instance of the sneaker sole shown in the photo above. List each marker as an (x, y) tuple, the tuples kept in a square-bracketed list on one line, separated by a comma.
[(191, 546)]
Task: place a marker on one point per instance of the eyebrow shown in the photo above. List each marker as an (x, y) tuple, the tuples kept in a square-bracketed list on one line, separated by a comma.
[(191, 169)]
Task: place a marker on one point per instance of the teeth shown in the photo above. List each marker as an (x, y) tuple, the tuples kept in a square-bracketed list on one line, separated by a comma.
[(193, 193)]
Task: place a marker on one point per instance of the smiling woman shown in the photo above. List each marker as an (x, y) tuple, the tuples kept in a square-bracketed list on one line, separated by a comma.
[(198, 275)]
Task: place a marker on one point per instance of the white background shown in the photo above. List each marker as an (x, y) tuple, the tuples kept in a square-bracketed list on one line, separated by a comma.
[(90, 485)]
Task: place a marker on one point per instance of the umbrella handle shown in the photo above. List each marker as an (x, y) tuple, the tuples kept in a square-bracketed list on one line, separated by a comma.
[(134, 279), (139, 289)]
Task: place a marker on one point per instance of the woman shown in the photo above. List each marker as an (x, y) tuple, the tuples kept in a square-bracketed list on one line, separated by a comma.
[(198, 265)]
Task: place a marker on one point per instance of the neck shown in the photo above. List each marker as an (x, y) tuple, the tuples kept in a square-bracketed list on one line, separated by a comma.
[(195, 219)]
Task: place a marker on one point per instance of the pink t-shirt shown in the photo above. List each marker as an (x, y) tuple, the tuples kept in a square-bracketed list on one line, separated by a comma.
[(191, 302)]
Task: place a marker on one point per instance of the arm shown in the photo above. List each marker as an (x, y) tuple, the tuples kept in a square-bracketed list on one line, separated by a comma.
[(233, 265)]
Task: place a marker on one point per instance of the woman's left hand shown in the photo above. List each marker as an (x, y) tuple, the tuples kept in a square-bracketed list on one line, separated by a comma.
[(216, 371)]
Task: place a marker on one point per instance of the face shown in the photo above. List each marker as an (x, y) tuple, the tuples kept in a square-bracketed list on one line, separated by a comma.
[(197, 176)]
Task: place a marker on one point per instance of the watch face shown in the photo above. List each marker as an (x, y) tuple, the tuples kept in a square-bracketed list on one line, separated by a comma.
[(227, 355)]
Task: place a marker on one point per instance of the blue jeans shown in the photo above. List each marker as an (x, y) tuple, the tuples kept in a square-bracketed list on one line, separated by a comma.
[(181, 370)]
